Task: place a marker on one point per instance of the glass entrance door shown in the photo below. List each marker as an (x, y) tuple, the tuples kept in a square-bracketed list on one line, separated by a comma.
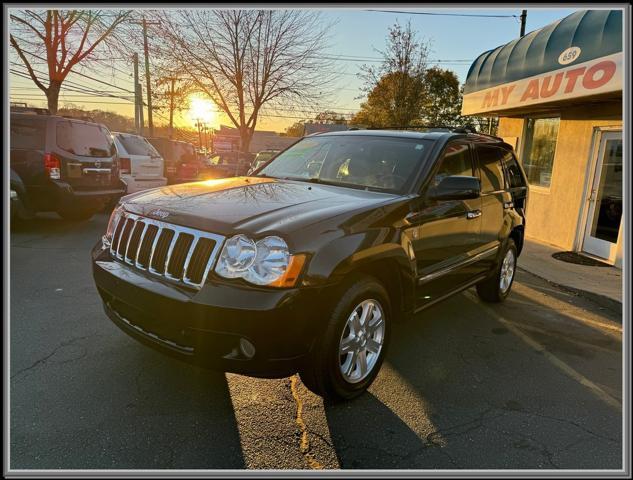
[(604, 218)]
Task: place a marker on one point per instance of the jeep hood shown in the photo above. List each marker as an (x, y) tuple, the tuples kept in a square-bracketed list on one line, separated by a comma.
[(253, 205)]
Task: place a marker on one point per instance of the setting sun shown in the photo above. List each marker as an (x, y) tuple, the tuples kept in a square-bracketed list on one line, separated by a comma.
[(202, 109)]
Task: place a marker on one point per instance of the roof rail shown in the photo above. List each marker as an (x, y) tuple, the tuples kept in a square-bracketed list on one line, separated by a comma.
[(461, 129), (84, 118), (23, 108)]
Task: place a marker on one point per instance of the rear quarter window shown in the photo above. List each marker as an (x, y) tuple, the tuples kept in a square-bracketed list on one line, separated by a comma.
[(84, 139), (490, 168), (28, 134), (135, 145), (513, 171)]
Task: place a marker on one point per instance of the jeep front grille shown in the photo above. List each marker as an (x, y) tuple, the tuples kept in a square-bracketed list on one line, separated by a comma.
[(179, 254)]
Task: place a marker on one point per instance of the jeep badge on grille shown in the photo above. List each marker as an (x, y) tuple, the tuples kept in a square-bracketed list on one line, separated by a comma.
[(159, 213)]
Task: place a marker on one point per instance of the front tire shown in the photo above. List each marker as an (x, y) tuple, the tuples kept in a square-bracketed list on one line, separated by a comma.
[(497, 287), (347, 358)]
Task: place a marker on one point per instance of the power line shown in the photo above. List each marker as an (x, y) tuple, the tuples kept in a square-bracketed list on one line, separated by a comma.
[(83, 102), (379, 60), (86, 76), (480, 15), (82, 88)]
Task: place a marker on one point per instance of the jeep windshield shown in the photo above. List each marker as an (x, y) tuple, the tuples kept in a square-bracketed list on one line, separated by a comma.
[(380, 163)]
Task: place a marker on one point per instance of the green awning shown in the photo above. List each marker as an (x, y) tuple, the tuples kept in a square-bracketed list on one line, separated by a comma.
[(596, 33)]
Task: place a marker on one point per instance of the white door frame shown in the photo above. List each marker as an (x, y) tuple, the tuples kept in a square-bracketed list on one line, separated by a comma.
[(589, 181)]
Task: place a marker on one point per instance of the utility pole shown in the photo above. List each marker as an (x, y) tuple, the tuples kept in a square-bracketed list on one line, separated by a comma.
[(199, 125), (137, 107), (523, 17), (141, 121), (171, 108), (147, 77)]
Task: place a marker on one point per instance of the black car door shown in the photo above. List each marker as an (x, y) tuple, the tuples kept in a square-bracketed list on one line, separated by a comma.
[(445, 234), (495, 198)]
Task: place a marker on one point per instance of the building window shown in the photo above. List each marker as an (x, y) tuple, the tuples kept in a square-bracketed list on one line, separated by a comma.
[(540, 147)]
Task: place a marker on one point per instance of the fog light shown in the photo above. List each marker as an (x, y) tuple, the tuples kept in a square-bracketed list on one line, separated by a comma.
[(247, 348)]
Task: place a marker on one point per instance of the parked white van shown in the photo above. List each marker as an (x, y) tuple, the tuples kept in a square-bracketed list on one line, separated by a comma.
[(140, 165)]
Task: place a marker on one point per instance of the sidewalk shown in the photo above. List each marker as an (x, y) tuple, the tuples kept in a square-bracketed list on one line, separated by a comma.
[(603, 284)]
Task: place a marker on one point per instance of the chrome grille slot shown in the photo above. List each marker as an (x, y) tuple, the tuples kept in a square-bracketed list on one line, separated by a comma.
[(198, 260), (178, 254), (135, 238), (145, 247), (125, 237), (161, 250), (117, 235)]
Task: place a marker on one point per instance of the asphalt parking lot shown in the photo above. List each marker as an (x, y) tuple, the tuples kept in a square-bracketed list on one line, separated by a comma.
[(533, 383)]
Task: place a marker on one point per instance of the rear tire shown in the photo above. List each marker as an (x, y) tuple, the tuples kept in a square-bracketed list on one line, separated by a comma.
[(357, 335), (497, 287)]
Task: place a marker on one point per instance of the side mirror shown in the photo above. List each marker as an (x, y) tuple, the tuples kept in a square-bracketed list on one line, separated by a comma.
[(456, 187)]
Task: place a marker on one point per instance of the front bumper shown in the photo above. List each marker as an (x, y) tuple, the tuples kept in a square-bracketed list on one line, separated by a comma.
[(206, 327), (59, 194)]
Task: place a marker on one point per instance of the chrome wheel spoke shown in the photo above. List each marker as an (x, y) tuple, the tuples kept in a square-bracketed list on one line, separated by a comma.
[(373, 327), (361, 341), (349, 368), (506, 273), (347, 345), (368, 309), (354, 322), (373, 346), (362, 362)]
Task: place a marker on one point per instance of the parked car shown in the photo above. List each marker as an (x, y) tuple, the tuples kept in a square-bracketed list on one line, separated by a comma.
[(305, 266), (261, 158), (62, 165), (229, 164), (181, 161), (140, 165)]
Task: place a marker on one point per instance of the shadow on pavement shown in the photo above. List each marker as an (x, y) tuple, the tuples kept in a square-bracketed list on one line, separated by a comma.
[(368, 434), (141, 411)]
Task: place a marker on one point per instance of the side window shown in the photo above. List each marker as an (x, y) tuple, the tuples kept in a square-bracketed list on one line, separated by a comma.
[(490, 168), (27, 135), (456, 160), (513, 172)]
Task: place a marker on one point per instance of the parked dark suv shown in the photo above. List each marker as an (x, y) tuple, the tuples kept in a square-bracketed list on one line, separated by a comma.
[(305, 265), (62, 165)]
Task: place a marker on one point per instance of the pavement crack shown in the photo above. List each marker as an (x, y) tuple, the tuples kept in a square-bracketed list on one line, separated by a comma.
[(448, 431), (44, 359), (304, 443), (570, 422)]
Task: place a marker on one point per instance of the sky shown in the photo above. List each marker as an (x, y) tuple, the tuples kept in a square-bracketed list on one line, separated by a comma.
[(456, 41)]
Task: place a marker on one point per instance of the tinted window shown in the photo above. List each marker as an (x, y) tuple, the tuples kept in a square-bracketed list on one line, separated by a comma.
[(85, 139), (184, 152), (490, 168), (513, 171), (456, 161), (382, 163), (135, 145), (28, 134)]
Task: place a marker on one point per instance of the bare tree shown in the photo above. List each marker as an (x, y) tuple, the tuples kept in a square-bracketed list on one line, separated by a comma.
[(62, 39), (249, 60)]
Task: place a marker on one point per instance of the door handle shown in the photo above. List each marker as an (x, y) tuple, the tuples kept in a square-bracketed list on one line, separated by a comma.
[(473, 214), (508, 205)]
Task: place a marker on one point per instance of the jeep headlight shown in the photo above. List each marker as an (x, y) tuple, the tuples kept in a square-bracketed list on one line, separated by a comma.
[(106, 240), (265, 262)]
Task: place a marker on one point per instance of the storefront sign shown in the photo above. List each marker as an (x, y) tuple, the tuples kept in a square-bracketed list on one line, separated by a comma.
[(601, 75)]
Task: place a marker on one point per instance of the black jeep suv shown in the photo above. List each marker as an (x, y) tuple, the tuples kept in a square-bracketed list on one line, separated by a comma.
[(61, 165), (304, 266)]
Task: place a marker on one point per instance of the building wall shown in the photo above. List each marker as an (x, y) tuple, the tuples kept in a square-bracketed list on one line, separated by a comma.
[(554, 214)]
